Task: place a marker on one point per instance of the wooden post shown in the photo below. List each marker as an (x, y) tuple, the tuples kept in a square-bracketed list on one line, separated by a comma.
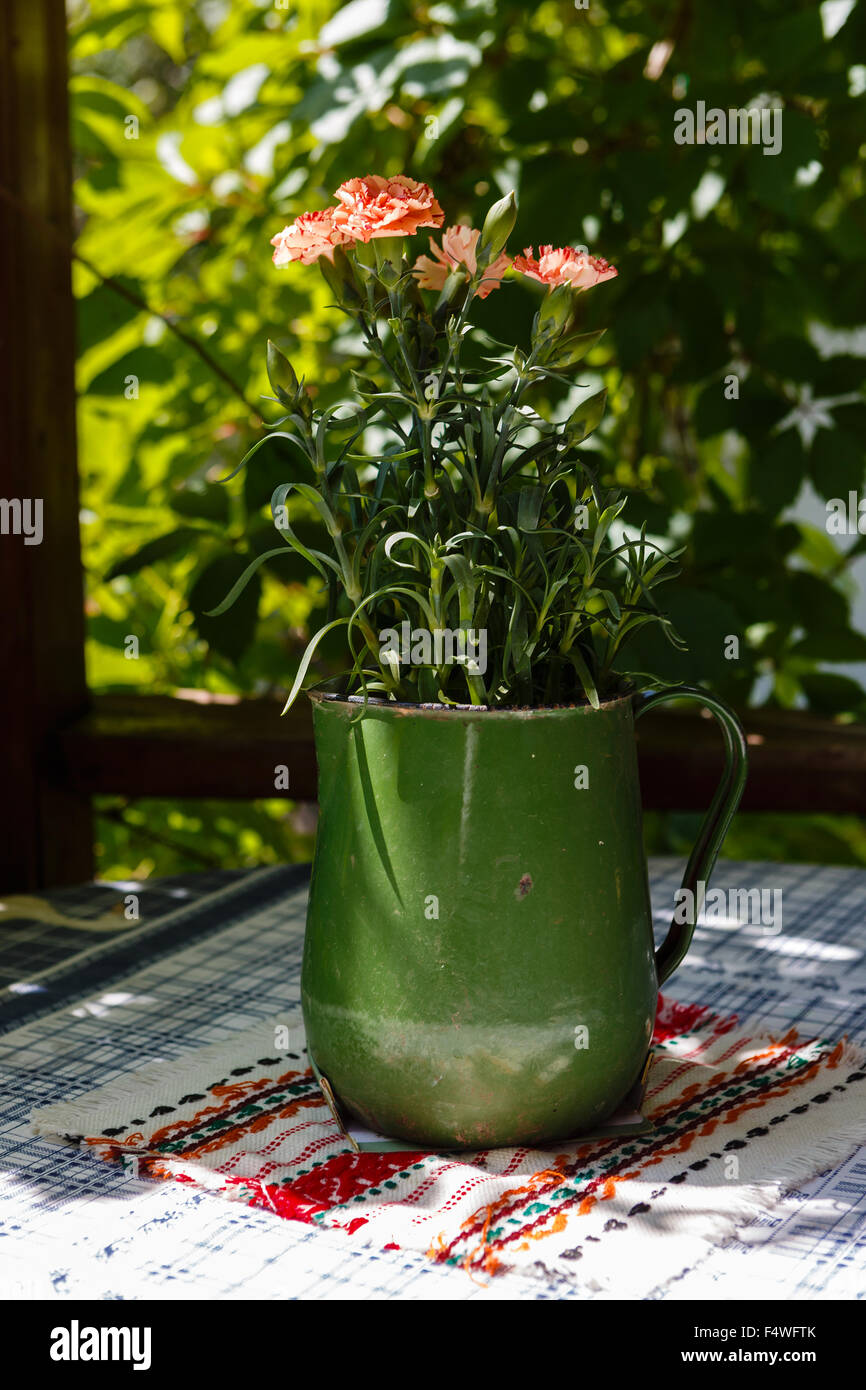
[(45, 829)]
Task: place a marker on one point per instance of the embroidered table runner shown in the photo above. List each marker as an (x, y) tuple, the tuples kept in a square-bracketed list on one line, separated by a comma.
[(73, 1227), (737, 1119)]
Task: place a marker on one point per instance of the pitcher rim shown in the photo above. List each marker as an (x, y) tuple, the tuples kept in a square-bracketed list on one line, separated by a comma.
[(318, 696)]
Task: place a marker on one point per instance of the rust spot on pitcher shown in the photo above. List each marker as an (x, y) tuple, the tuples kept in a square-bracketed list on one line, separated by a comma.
[(523, 887)]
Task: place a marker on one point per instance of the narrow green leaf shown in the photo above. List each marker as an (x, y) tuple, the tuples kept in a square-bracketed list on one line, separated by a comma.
[(307, 658), (584, 676), (240, 584)]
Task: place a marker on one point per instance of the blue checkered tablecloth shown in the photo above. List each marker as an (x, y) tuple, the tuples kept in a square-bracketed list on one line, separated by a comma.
[(206, 958)]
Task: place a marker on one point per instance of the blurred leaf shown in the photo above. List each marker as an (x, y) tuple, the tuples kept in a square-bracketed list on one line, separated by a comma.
[(160, 548), (777, 470), (102, 312), (836, 463), (208, 501), (136, 370), (832, 646), (830, 694), (818, 605), (360, 19)]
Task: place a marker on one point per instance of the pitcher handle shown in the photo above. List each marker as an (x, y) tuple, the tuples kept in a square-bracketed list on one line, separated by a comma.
[(716, 822)]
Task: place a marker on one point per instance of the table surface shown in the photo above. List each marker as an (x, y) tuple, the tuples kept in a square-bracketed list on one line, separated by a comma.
[(105, 978)]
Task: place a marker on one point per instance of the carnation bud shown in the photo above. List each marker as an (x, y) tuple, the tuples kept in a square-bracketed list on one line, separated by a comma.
[(449, 294), (555, 313), (585, 418), (497, 229), (282, 377), (567, 352)]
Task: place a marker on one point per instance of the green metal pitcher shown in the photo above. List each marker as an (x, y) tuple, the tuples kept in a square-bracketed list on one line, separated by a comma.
[(479, 968)]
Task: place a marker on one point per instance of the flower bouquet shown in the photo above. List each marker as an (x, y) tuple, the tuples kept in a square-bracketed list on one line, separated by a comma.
[(474, 556)]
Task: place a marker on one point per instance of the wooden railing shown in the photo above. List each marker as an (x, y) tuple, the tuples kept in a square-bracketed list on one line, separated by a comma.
[(206, 747), (161, 746)]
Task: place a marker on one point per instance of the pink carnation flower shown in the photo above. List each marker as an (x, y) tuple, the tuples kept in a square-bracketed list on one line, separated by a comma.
[(375, 207), (458, 248), (310, 236), (564, 266)]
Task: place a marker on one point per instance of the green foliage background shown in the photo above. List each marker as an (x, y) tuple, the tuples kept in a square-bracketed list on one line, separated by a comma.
[(730, 261)]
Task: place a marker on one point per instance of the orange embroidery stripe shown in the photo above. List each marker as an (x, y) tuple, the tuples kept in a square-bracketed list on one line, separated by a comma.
[(681, 1145), (251, 1126), (725, 1078), (176, 1129)]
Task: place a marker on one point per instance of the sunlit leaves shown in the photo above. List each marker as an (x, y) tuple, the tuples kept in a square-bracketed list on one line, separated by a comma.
[(269, 110)]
